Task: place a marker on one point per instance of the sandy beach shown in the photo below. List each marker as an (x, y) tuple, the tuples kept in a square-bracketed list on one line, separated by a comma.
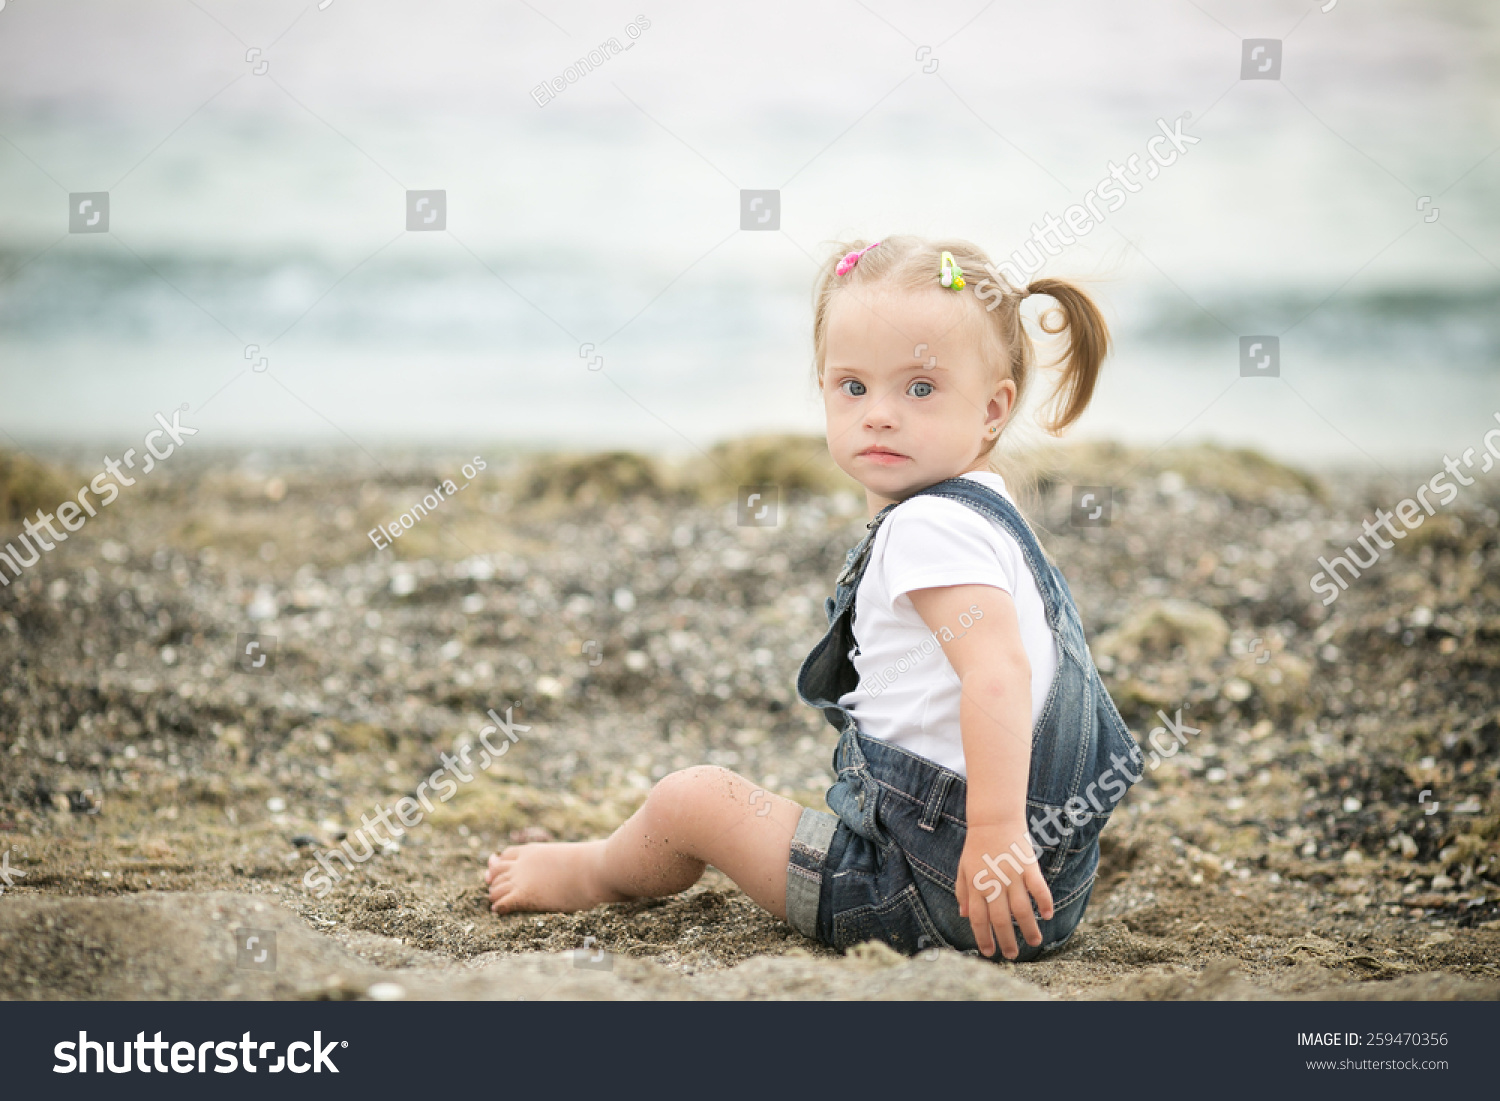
[(1332, 830)]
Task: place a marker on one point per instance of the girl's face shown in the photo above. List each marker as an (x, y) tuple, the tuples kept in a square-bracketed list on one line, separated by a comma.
[(908, 397)]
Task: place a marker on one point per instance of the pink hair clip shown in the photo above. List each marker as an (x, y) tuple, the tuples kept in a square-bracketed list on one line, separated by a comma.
[(846, 265)]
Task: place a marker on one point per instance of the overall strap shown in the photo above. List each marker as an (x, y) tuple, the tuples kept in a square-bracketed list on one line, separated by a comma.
[(983, 500), (993, 505), (859, 557)]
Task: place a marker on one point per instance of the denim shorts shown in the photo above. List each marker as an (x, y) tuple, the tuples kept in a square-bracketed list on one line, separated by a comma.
[(883, 868)]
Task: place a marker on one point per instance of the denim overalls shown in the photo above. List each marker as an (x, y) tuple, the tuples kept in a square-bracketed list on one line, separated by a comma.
[(883, 865)]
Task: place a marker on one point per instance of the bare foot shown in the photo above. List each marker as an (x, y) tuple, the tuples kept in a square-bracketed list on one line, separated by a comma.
[(560, 876)]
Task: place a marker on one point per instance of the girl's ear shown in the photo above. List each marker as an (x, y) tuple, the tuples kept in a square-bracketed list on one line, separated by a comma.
[(1002, 403)]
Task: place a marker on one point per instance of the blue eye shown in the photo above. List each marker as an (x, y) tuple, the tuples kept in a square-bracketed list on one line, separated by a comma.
[(919, 389), (854, 382)]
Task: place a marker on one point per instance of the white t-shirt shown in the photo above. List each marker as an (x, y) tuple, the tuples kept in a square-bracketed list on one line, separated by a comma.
[(908, 693)]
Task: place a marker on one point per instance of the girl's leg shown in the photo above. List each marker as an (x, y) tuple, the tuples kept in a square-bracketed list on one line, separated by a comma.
[(693, 818)]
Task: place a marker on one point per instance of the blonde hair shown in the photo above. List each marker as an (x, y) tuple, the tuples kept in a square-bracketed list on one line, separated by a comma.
[(911, 263)]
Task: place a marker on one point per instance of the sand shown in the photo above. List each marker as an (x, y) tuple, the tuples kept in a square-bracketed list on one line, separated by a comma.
[(157, 798)]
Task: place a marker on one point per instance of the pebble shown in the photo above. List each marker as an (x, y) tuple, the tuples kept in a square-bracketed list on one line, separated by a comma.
[(1237, 690)]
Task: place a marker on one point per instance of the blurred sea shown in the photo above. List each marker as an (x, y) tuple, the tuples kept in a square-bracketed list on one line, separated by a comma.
[(268, 210)]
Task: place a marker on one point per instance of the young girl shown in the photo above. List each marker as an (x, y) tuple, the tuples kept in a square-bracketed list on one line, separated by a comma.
[(974, 730)]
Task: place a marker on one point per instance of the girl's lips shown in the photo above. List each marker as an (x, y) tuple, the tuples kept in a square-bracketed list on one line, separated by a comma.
[(884, 458)]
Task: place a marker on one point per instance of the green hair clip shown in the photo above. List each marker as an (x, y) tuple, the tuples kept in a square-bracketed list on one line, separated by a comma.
[(950, 274)]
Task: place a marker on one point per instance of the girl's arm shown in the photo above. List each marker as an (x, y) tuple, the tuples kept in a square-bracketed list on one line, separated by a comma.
[(998, 874)]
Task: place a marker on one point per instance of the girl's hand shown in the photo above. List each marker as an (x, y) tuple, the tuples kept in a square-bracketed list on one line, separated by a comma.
[(992, 893)]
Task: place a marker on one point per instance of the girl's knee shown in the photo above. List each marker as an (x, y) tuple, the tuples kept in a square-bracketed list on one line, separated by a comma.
[(691, 783), (686, 792)]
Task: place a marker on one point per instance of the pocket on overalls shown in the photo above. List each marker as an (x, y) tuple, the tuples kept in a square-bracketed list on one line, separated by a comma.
[(1051, 823), (1118, 741), (900, 921)]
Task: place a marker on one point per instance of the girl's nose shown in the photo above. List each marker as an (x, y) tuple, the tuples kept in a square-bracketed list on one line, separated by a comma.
[(880, 413)]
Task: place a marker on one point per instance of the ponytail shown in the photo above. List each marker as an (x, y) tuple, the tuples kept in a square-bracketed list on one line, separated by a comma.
[(1088, 344)]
